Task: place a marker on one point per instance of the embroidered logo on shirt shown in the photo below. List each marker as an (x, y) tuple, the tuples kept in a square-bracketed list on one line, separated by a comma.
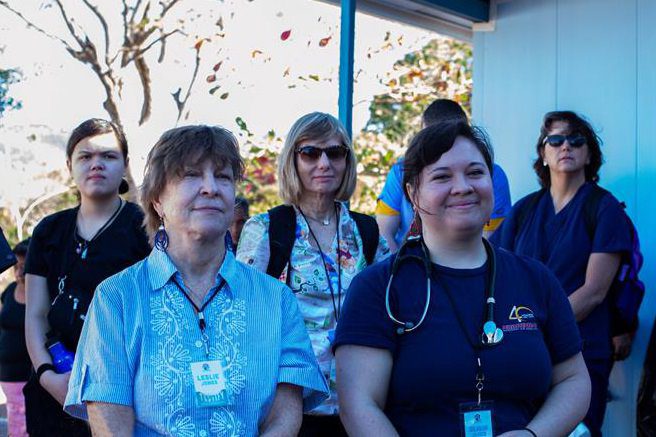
[(522, 319), (520, 313)]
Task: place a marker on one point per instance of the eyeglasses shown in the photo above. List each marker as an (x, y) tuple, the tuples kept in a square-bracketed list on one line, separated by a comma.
[(313, 153), (575, 141)]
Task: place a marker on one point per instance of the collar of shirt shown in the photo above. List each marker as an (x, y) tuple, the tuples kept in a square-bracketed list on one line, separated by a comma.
[(161, 270)]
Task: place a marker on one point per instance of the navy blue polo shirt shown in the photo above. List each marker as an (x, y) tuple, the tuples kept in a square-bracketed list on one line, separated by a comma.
[(434, 367), (562, 242)]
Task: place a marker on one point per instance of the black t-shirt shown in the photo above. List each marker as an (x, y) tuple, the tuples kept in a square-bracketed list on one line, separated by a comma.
[(52, 253), (15, 363)]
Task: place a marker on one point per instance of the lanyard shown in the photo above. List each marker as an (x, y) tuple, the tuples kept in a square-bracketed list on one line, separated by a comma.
[(200, 312), (83, 246), (476, 345), (337, 307)]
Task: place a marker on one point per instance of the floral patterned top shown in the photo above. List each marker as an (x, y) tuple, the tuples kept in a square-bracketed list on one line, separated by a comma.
[(307, 279)]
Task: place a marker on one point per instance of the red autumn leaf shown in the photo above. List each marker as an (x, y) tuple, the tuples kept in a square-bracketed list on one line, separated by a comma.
[(198, 44), (211, 78), (285, 35), (217, 66), (324, 41)]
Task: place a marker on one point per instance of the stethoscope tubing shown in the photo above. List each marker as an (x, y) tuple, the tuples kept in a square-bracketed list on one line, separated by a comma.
[(405, 327)]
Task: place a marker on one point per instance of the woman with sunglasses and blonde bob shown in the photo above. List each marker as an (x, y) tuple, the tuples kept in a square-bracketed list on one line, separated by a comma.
[(553, 225), (313, 242)]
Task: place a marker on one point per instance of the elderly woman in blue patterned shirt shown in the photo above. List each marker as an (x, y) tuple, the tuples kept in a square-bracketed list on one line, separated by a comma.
[(190, 342)]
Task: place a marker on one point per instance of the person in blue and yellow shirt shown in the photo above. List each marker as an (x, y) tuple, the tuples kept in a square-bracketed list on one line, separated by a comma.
[(393, 211)]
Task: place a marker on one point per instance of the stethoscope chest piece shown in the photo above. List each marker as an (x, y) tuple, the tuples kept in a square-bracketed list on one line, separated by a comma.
[(491, 334)]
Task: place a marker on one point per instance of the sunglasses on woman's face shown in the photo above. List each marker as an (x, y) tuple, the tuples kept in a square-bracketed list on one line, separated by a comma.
[(313, 153), (575, 141)]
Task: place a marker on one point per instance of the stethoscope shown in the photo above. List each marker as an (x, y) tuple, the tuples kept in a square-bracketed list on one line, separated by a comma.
[(491, 334)]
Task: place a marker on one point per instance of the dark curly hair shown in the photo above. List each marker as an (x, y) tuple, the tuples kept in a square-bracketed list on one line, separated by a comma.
[(577, 125), (433, 141)]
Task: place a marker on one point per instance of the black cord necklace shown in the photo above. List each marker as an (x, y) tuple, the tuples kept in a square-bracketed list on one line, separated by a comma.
[(83, 246), (337, 306)]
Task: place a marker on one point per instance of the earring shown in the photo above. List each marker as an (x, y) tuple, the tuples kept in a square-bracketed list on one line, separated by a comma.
[(161, 239), (415, 227), (544, 163)]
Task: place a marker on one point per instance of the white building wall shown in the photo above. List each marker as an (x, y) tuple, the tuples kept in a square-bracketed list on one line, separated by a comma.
[(596, 57)]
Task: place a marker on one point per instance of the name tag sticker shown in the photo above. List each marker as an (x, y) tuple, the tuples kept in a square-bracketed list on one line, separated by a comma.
[(476, 420), (210, 384)]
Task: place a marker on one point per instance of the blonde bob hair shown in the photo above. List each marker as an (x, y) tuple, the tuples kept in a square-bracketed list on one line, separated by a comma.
[(182, 148), (314, 127)]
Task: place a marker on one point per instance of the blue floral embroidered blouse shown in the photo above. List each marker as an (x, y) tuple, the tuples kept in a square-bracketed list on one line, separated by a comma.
[(141, 335)]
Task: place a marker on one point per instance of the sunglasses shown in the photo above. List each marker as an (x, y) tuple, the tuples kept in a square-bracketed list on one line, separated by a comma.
[(313, 153), (575, 141)]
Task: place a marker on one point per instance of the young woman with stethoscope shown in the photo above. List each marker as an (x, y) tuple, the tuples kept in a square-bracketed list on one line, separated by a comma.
[(451, 335)]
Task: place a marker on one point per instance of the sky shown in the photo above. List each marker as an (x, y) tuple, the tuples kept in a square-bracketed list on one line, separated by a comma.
[(267, 80)]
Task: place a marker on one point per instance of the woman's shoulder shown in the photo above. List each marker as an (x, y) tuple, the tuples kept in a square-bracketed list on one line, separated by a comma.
[(260, 219), (606, 200), (55, 221), (127, 281), (530, 199), (520, 263), (9, 291), (376, 273), (257, 284), (133, 213)]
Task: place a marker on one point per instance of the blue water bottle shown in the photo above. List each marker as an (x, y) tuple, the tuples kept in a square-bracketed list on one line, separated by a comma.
[(62, 358)]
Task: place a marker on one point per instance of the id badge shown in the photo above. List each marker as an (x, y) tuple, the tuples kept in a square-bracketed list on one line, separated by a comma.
[(210, 384), (476, 419)]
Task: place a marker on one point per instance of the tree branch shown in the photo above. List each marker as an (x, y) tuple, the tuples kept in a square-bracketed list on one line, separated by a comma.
[(181, 104), (69, 25), (134, 11), (140, 52), (144, 77), (144, 16), (167, 7), (103, 24), (35, 27)]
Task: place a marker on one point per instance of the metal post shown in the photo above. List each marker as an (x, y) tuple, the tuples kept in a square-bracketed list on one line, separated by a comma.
[(346, 49)]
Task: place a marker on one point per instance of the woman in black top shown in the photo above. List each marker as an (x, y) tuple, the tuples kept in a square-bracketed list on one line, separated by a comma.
[(71, 252), (15, 364)]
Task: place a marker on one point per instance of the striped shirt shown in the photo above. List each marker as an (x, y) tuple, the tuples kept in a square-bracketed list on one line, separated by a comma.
[(141, 336)]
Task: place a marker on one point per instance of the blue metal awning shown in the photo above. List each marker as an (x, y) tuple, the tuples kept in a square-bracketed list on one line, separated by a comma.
[(473, 10)]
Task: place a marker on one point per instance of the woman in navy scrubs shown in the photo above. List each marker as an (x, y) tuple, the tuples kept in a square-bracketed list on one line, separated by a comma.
[(554, 231), (451, 336)]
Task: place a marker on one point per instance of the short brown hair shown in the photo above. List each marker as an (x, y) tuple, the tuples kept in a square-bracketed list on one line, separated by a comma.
[(180, 148), (316, 126)]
